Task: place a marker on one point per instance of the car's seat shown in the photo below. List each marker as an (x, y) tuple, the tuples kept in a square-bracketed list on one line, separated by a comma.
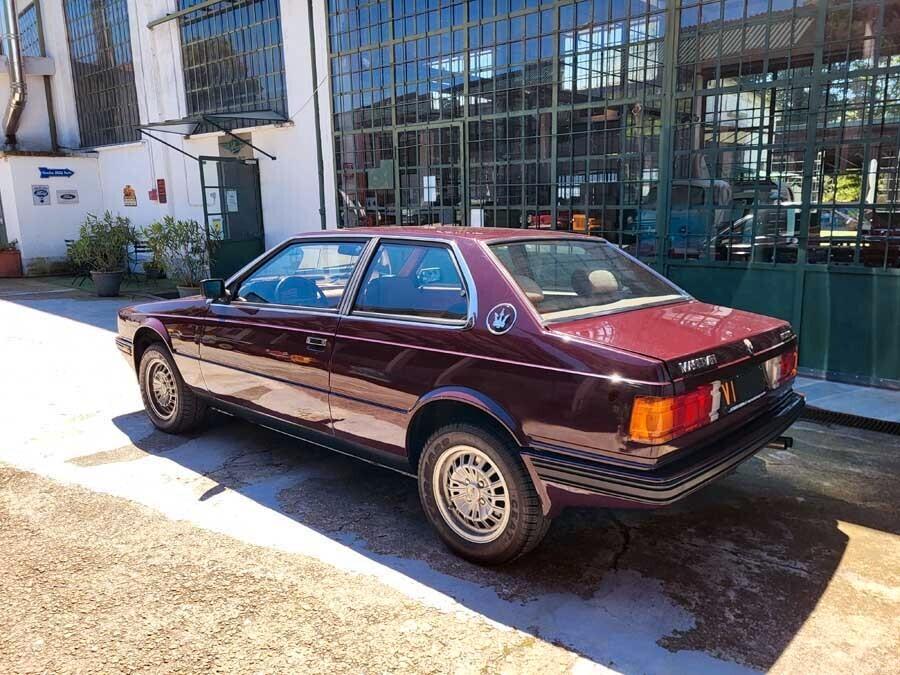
[(531, 288), (388, 294), (594, 283)]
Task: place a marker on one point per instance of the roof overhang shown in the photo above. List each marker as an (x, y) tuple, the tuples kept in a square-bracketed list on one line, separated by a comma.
[(187, 126)]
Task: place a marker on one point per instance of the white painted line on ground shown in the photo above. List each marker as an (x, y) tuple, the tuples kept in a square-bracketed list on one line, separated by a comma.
[(54, 290)]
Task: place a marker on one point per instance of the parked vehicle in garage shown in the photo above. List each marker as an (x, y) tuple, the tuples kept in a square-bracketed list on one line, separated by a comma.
[(512, 372)]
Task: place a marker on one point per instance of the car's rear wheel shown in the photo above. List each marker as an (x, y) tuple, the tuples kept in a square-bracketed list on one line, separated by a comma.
[(169, 402), (479, 496)]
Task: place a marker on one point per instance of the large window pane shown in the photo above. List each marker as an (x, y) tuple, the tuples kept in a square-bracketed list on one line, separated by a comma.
[(232, 57), (102, 71)]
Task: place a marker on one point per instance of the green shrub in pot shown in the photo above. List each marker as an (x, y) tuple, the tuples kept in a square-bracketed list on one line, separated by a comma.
[(182, 248), (102, 249)]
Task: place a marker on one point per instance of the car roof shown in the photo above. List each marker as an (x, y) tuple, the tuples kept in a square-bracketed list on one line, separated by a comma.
[(485, 234)]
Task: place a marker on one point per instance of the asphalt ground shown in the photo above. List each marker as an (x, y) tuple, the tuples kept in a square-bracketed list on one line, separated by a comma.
[(123, 549)]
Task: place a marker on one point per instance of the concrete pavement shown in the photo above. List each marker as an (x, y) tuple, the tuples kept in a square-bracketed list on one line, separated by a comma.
[(789, 564)]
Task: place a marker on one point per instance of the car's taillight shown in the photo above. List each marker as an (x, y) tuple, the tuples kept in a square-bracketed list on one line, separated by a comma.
[(659, 419), (781, 368)]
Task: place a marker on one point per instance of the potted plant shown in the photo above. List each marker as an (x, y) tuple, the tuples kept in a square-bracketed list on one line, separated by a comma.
[(182, 248), (102, 249), (10, 259), (153, 269)]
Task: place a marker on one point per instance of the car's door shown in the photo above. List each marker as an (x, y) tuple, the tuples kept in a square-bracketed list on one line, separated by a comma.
[(269, 348), (399, 338)]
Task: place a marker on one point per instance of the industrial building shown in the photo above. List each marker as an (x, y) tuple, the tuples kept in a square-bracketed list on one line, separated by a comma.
[(748, 149)]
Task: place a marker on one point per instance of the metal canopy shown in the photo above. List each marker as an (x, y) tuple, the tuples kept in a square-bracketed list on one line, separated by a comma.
[(187, 126), (262, 115), (171, 16)]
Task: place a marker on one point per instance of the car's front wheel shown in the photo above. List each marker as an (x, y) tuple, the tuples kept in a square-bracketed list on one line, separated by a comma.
[(479, 496), (169, 402)]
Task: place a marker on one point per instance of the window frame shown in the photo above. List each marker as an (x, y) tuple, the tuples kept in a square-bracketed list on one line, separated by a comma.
[(234, 282), (468, 321), (189, 26), (87, 117)]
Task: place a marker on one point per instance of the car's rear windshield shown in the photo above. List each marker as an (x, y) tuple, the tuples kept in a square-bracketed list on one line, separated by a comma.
[(573, 278)]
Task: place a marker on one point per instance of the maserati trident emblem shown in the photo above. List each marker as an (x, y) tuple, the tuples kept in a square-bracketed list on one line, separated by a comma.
[(748, 345), (501, 318)]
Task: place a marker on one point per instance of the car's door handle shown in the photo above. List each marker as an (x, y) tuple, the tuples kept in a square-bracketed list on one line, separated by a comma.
[(316, 343)]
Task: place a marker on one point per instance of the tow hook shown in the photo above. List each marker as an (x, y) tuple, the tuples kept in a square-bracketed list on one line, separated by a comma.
[(781, 443)]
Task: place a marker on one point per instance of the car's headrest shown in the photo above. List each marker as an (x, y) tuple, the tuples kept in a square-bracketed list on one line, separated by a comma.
[(597, 282), (532, 291)]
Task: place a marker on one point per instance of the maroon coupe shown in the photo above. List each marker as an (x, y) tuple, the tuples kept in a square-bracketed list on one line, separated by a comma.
[(512, 372)]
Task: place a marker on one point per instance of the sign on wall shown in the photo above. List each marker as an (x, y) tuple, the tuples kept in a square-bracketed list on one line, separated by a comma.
[(67, 196), (55, 173), (129, 196), (40, 195), (161, 190), (231, 200), (213, 203)]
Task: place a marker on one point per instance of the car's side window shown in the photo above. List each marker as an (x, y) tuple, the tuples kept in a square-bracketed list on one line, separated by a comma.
[(413, 280), (305, 274)]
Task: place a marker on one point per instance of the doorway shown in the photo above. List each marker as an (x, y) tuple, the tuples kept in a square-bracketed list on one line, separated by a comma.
[(232, 212)]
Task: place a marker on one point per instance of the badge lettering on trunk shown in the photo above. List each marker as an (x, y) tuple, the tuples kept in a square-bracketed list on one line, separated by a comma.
[(698, 363)]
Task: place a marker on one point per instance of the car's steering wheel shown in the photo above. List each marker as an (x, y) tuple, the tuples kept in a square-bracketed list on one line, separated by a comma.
[(299, 291)]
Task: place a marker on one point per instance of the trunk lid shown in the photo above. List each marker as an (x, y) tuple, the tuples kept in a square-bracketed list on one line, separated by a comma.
[(694, 339)]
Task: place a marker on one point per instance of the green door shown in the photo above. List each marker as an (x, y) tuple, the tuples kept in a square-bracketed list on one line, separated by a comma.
[(233, 212)]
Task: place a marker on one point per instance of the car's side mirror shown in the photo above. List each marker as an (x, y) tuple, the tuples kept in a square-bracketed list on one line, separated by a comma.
[(214, 289)]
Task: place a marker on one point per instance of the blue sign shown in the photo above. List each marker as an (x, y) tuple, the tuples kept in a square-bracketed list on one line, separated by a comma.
[(55, 173)]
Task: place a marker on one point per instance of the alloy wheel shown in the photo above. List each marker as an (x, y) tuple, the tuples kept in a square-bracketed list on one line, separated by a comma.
[(471, 494), (162, 392)]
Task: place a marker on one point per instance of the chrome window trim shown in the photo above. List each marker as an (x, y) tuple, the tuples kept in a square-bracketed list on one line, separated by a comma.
[(322, 311), (462, 269), (424, 321)]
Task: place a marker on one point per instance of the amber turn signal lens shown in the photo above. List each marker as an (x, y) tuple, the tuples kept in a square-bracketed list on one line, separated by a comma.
[(781, 368), (655, 419)]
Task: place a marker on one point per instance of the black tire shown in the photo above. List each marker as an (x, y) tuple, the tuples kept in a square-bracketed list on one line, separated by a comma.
[(526, 524), (188, 411)]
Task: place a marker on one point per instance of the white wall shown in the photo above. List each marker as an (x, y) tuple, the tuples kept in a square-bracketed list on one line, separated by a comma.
[(289, 184), (42, 230), (34, 125)]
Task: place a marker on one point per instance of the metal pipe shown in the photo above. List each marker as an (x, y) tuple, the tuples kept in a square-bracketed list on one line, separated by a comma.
[(781, 443), (315, 83), (18, 91)]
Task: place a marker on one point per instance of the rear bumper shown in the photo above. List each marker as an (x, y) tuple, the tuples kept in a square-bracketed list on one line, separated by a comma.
[(669, 482)]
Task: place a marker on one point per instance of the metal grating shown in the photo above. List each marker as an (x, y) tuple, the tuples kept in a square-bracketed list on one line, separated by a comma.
[(233, 60), (29, 31), (102, 71), (847, 420)]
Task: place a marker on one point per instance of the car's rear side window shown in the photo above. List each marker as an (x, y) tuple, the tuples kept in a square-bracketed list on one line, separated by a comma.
[(306, 274), (413, 280)]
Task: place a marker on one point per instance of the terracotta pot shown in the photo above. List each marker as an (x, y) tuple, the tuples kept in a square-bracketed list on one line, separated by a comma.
[(11, 263), (107, 283), (187, 291)]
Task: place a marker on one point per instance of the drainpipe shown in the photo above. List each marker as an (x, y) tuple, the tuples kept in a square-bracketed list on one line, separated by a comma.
[(17, 88), (315, 84)]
